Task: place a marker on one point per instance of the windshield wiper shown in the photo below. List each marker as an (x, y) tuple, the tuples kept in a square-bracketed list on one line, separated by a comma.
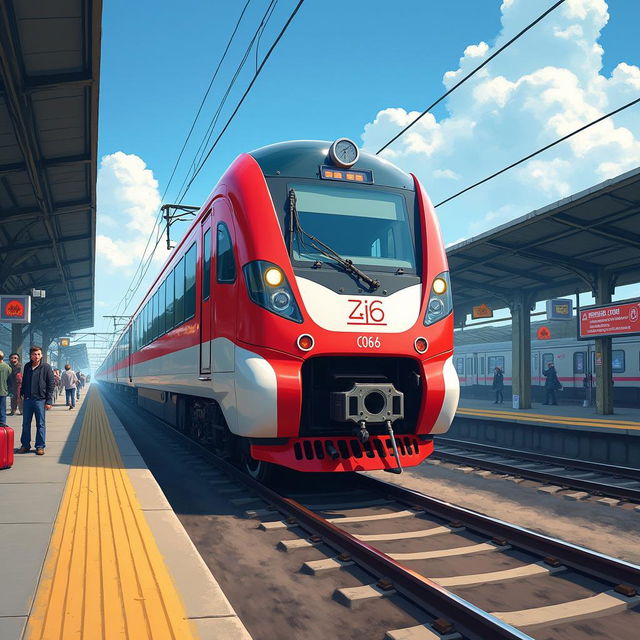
[(321, 247)]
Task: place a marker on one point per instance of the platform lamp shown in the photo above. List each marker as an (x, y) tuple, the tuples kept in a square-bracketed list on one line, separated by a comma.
[(63, 343)]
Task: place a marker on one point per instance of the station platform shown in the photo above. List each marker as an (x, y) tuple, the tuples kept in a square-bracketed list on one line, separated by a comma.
[(90, 547), (625, 420)]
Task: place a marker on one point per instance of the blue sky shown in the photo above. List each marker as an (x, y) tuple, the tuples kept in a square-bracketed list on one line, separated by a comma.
[(359, 69)]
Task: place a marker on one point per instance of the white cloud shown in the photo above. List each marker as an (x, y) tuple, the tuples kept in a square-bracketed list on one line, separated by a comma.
[(549, 83), (128, 202)]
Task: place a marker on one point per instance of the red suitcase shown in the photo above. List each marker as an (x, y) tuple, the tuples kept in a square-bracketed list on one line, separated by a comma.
[(6, 447)]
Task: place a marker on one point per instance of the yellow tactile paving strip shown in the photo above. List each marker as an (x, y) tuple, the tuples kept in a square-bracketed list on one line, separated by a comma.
[(561, 420), (104, 576)]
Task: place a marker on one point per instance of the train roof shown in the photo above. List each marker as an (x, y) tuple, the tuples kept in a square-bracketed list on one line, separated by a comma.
[(302, 159)]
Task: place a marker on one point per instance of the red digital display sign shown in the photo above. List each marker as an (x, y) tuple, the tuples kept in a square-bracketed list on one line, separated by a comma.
[(15, 309), (617, 319)]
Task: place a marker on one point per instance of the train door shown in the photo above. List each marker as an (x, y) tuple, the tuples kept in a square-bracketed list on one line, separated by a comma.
[(206, 309), (225, 279), (474, 374)]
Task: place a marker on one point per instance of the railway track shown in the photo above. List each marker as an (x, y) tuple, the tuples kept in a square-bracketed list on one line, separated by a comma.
[(402, 538), (457, 574), (598, 479)]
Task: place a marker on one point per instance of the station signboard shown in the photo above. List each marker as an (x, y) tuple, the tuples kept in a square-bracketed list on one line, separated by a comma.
[(15, 309), (481, 311), (560, 309), (609, 320)]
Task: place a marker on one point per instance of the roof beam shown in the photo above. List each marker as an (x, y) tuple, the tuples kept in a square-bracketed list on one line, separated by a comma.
[(60, 209), (46, 244), (628, 238), (57, 80), (44, 267), (20, 111), (49, 163)]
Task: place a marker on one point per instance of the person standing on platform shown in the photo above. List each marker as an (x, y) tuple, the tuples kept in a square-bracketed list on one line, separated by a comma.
[(551, 384), (37, 390), (498, 385), (15, 382), (78, 377), (70, 382), (5, 372)]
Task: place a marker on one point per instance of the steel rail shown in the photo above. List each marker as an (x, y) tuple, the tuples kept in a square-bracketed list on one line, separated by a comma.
[(592, 486), (584, 465), (471, 621), (584, 560)]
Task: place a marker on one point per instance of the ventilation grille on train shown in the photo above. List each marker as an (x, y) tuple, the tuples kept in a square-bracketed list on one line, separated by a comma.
[(376, 447)]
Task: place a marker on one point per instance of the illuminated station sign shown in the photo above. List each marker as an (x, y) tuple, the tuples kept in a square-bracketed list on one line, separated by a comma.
[(15, 309), (609, 320)]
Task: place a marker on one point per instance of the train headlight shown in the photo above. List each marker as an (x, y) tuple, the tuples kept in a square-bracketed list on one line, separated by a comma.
[(273, 277), (439, 286), (268, 287), (280, 300), (440, 302)]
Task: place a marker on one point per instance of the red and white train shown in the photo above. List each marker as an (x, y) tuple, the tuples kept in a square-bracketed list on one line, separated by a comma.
[(305, 320)]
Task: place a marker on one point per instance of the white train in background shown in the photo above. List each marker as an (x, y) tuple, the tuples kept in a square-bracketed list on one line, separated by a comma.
[(574, 361)]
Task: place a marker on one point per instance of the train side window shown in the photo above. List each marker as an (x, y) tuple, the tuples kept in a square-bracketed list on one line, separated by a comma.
[(161, 309), (154, 302), (460, 366), (617, 361), (206, 265), (190, 283), (170, 301), (535, 364), (149, 316), (482, 365), (469, 366), (546, 359), (225, 260), (179, 297), (579, 361)]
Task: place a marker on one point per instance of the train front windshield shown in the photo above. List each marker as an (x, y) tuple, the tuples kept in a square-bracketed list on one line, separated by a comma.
[(367, 226)]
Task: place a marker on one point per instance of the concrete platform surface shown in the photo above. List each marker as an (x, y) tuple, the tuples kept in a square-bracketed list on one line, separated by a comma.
[(36, 504)]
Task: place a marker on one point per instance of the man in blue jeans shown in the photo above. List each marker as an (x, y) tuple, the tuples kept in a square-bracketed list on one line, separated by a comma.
[(37, 389)]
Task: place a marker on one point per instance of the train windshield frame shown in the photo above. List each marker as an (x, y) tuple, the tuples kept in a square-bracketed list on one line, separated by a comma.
[(370, 227), (359, 212)]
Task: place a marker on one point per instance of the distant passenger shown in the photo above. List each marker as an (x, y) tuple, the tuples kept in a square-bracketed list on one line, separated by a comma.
[(498, 385), (70, 382), (551, 384), (5, 372), (15, 382), (78, 376), (37, 391)]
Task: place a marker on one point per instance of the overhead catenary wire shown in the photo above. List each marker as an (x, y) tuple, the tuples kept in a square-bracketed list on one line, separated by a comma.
[(205, 96), (472, 73), (140, 269), (214, 119), (539, 151), (244, 95)]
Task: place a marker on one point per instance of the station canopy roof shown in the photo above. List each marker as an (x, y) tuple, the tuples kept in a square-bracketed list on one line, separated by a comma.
[(49, 77), (553, 251)]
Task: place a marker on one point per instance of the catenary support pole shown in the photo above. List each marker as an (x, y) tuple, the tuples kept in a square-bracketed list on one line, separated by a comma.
[(521, 350), (603, 353)]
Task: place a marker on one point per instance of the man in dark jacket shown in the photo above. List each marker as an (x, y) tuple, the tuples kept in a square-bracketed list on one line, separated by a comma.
[(551, 384), (15, 382), (37, 391), (498, 385)]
